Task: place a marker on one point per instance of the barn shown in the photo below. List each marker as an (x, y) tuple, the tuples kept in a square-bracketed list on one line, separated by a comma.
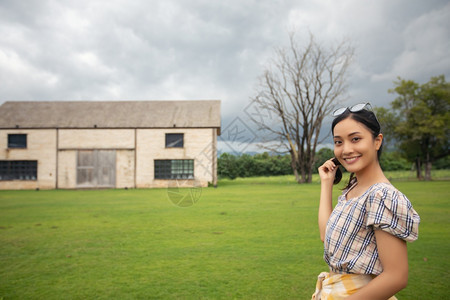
[(108, 144)]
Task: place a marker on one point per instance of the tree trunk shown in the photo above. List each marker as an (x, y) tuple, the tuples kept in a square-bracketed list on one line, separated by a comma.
[(428, 165), (294, 169), (309, 179), (297, 177), (303, 173), (428, 171), (418, 169)]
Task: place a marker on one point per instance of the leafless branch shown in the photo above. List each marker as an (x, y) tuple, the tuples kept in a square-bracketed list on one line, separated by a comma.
[(300, 86)]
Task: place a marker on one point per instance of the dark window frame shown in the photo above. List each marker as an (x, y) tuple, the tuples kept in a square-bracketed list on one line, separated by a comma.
[(174, 140), (173, 169), (26, 170), (17, 141)]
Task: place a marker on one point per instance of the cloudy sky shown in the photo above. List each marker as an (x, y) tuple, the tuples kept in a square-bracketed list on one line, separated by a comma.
[(206, 49)]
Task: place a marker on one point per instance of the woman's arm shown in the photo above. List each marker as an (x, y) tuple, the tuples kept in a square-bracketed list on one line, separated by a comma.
[(327, 172), (394, 259)]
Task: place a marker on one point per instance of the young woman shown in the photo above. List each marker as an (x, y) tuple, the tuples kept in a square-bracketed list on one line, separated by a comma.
[(364, 235)]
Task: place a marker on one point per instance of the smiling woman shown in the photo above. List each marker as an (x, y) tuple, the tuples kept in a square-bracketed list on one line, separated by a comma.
[(355, 147), (365, 123), (364, 235)]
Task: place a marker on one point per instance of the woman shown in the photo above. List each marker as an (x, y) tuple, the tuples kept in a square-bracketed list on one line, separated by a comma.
[(364, 235)]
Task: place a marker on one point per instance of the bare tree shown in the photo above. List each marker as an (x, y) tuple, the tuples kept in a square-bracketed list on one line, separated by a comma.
[(300, 87)]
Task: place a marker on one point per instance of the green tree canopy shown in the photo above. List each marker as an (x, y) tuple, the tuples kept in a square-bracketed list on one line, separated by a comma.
[(422, 120)]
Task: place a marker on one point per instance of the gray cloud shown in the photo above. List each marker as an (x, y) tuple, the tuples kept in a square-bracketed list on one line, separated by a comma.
[(83, 50)]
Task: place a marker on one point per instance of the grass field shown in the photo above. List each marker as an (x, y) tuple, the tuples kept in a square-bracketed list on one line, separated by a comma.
[(252, 238)]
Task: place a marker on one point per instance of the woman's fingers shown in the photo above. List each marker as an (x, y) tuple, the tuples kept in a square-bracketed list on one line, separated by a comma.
[(329, 165), (328, 170)]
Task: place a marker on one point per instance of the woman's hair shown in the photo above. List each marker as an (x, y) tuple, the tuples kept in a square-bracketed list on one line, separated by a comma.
[(368, 119)]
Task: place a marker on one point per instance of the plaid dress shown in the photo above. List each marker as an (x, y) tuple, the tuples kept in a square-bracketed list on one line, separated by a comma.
[(350, 245)]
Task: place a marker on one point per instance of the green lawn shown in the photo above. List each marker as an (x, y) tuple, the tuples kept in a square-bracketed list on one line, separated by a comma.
[(253, 238)]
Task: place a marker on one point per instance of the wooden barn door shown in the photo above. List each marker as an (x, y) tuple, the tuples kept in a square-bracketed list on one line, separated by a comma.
[(96, 168)]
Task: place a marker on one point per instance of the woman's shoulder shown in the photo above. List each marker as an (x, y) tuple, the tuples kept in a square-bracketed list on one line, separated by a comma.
[(385, 187), (389, 209), (387, 193)]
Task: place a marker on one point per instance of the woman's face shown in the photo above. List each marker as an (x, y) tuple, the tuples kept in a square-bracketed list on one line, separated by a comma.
[(354, 145)]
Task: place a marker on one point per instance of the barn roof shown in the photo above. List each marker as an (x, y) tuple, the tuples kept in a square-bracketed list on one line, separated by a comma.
[(110, 114)]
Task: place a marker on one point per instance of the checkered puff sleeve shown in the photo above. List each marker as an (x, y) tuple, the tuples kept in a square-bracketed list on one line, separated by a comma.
[(389, 210)]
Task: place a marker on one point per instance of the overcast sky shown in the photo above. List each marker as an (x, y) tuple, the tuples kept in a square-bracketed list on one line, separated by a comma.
[(205, 49)]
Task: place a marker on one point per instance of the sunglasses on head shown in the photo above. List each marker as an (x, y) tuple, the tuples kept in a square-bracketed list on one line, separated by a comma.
[(354, 108)]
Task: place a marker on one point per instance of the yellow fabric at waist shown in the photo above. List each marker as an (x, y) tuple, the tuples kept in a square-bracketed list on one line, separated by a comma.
[(332, 286)]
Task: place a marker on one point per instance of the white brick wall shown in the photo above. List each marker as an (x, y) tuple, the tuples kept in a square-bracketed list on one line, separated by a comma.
[(67, 169), (41, 146), (96, 139), (150, 145), (125, 169)]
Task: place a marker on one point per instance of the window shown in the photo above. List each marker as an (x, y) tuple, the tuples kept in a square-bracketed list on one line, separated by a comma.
[(18, 170), (17, 140), (174, 169), (174, 140)]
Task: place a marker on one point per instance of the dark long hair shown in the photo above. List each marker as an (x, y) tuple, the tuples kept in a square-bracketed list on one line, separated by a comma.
[(368, 119)]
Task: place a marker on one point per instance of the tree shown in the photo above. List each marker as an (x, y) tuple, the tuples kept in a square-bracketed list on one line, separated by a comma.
[(300, 87), (423, 113), (227, 166), (245, 165), (388, 122)]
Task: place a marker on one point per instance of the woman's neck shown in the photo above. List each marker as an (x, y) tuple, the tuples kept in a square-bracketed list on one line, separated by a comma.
[(371, 175)]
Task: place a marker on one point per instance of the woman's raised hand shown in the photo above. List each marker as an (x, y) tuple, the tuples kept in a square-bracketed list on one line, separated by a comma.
[(327, 171)]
